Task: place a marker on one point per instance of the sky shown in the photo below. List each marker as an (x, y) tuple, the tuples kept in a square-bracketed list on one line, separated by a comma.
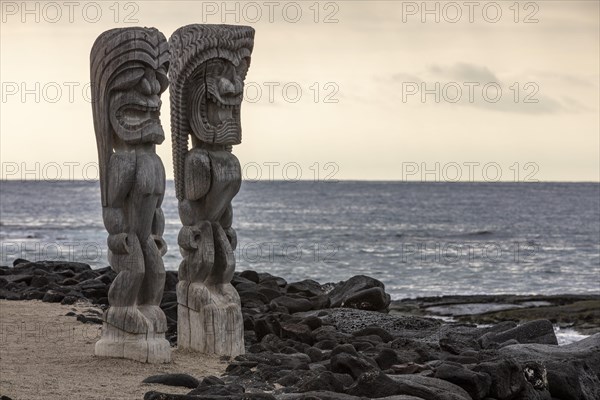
[(337, 90)]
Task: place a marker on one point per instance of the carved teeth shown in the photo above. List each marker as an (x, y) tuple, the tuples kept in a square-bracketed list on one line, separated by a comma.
[(135, 116), (224, 113), (219, 102)]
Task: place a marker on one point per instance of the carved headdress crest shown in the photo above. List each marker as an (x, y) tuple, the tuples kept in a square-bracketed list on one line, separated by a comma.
[(135, 49), (192, 47)]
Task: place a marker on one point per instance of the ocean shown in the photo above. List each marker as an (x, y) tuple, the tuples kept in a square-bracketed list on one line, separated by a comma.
[(419, 239)]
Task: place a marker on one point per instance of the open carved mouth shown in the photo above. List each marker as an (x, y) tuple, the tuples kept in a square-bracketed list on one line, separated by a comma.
[(135, 116), (218, 112)]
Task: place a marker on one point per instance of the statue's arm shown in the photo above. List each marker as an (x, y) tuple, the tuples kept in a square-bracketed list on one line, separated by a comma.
[(121, 176), (197, 178), (226, 221), (158, 226)]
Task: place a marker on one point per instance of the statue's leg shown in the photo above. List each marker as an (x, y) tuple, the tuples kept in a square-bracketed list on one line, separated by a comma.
[(224, 265), (153, 285), (122, 295), (183, 312), (126, 331), (192, 294), (234, 329), (217, 312), (233, 321)]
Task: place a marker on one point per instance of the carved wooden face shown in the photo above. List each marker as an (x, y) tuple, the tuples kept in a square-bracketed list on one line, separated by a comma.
[(215, 97), (134, 104)]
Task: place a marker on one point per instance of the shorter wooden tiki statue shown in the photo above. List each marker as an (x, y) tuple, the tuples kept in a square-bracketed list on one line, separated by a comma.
[(128, 74), (208, 68)]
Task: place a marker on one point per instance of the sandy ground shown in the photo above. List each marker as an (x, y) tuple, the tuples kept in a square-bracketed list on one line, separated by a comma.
[(47, 355)]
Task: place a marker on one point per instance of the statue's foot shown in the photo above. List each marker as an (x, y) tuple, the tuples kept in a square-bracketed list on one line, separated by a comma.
[(231, 295), (234, 329), (149, 347), (127, 319), (156, 317), (128, 333), (198, 296)]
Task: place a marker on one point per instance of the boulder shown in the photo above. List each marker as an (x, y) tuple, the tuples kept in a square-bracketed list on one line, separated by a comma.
[(325, 381), (360, 292), (573, 371), (354, 366), (183, 380), (52, 296), (540, 331), (475, 383), (292, 304)]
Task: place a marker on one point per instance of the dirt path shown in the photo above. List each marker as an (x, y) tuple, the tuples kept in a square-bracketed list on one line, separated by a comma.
[(47, 355)]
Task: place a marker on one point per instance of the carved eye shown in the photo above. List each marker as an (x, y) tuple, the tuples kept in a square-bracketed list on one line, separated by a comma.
[(217, 66), (161, 76), (128, 78), (242, 68)]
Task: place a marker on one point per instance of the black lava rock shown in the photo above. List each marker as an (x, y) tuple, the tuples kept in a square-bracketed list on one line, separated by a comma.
[(360, 292), (183, 380)]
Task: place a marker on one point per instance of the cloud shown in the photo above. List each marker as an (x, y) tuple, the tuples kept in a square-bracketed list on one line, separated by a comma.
[(465, 72), (402, 77), (477, 86)]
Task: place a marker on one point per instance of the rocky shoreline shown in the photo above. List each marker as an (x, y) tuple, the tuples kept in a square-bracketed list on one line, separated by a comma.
[(578, 312), (347, 340)]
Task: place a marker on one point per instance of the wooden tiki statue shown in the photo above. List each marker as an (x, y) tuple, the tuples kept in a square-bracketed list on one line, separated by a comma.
[(128, 74), (208, 67)]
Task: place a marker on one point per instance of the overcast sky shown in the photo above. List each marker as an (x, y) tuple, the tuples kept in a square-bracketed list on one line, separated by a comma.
[(387, 92)]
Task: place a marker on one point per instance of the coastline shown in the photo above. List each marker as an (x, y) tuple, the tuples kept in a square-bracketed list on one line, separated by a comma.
[(580, 313), (303, 339)]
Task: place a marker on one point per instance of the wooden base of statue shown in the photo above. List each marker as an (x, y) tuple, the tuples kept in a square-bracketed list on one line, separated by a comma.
[(147, 342), (151, 347), (209, 319)]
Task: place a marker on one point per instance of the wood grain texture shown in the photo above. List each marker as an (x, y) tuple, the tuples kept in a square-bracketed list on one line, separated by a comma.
[(128, 74), (208, 67)]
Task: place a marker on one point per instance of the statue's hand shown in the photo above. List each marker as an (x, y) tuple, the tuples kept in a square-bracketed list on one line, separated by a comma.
[(161, 244), (230, 293), (232, 237), (187, 238), (118, 243)]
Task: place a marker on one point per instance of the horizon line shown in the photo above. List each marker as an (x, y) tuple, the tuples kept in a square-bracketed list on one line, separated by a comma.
[(325, 181)]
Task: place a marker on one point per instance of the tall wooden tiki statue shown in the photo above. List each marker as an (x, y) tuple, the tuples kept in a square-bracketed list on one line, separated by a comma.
[(128, 74), (208, 68)]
